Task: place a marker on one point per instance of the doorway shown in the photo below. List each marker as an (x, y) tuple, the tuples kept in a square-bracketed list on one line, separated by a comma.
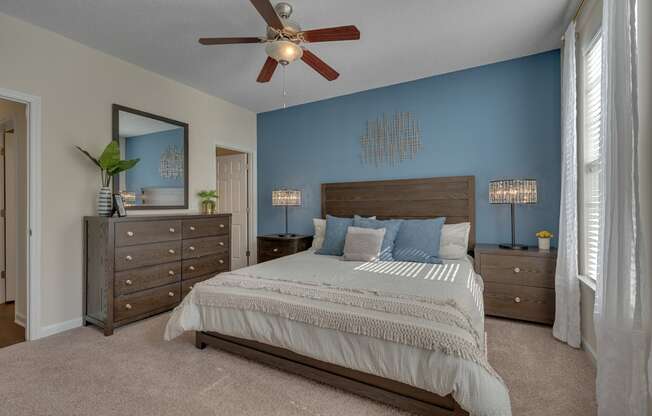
[(13, 222), (233, 198)]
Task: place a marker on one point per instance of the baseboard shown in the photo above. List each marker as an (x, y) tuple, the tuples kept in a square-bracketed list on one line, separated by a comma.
[(20, 319), (590, 351), (46, 331)]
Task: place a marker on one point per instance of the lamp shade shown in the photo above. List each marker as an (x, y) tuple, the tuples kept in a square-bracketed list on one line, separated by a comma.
[(284, 51), (286, 198), (513, 191)]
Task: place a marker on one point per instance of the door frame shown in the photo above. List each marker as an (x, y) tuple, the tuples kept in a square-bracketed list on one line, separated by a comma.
[(34, 195), (251, 195)]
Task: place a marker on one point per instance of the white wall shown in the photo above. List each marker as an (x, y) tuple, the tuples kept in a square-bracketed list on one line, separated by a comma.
[(77, 86), (16, 204)]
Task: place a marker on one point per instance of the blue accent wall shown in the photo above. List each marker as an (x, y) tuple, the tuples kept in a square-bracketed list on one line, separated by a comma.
[(149, 148), (496, 121)]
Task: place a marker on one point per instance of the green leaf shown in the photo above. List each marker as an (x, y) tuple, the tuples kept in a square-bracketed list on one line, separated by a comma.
[(110, 157), (89, 156), (121, 166)]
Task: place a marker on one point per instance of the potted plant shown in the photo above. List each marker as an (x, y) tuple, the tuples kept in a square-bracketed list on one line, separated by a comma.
[(544, 239), (208, 199), (110, 165)]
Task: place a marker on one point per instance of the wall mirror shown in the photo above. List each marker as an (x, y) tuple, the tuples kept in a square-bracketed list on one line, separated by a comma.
[(160, 179)]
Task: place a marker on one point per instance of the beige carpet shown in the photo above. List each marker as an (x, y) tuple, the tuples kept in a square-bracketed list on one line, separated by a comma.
[(135, 372)]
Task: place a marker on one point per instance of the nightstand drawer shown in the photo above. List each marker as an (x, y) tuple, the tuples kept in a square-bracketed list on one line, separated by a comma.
[(272, 247), (520, 270), (520, 302)]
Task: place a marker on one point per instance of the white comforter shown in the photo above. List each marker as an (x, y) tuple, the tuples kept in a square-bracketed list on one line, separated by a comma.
[(452, 287)]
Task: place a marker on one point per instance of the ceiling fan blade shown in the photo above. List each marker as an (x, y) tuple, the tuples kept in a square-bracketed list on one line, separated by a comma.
[(332, 34), (268, 70), (268, 13), (318, 65), (228, 41)]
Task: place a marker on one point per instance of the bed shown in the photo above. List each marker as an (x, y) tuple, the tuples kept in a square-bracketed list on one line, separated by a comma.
[(407, 334)]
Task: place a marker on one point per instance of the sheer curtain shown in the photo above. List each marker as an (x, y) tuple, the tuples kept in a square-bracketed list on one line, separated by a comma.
[(622, 336), (567, 286)]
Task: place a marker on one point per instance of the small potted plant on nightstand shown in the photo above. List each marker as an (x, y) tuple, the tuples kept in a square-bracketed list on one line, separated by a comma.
[(544, 239), (208, 199)]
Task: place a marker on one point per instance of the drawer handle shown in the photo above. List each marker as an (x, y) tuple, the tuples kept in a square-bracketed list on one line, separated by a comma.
[(275, 250), (192, 228), (517, 299), (171, 251), (517, 270), (171, 294), (128, 282), (221, 225), (191, 248), (191, 287), (191, 268), (130, 233), (221, 261), (128, 306), (129, 258), (221, 243), (172, 229), (171, 273)]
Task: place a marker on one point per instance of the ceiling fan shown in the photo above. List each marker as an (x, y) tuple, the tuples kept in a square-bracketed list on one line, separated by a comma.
[(284, 39)]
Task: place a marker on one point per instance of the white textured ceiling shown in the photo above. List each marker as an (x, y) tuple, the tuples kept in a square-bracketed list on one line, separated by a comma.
[(401, 40)]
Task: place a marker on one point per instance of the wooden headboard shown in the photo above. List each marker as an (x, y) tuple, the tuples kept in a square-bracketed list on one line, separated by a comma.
[(452, 197)]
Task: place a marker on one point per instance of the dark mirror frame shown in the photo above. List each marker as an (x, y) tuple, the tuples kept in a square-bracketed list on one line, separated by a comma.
[(116, 136)]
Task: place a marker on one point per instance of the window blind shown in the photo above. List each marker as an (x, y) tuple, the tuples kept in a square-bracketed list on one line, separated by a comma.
[(591, 151)]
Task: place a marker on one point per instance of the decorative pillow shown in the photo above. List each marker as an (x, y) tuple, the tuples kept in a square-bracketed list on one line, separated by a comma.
[(320, 231), (418, 241), (391, 231), (334, 237), (454, 242), (363, 244)]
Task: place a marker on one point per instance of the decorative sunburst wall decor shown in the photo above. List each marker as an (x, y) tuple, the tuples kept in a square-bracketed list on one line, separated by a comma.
[(171, 163), (390, 140)]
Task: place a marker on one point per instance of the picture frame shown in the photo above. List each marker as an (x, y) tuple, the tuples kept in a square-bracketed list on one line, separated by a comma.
[(119, 205)]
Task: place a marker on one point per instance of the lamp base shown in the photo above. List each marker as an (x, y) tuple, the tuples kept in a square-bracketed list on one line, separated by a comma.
[(513, 246), (286, 235)]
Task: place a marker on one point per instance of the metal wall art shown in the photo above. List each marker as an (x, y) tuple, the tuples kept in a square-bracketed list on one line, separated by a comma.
[(171, 163), (390, 140)]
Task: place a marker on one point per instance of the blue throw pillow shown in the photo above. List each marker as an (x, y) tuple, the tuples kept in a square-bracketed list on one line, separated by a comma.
[(336, 229), (418, 241), (391, 227)]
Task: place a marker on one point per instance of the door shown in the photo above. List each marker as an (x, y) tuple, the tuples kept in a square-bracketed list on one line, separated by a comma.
[(233, 198), (10, 216), (3, 273)]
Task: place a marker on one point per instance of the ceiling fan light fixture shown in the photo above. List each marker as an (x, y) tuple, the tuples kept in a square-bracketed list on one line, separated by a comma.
[(284, 51)]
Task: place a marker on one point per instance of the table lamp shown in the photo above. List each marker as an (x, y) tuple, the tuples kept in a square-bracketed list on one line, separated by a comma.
[(513, 191), (286, 198)]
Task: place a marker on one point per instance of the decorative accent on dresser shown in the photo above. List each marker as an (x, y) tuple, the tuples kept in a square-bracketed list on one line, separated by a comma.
[(138, 266), (273, 246), (390, 141), (518, 284)]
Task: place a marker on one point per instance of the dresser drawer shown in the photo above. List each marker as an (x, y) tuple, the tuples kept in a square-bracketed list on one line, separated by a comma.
[(522, 270), (136, 232), (199, 247), (152, 300), (187, 285), (205, 227), (520, 302), (142, 278), (147, 255), (207, 265)]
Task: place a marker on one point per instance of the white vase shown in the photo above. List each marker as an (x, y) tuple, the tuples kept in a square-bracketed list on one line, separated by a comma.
[(104, 202), (544, 244)]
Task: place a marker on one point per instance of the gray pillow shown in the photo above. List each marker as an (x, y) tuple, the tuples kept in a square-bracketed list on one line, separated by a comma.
[(363, 244)]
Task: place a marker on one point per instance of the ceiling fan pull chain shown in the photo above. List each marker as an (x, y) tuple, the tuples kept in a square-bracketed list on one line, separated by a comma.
[(285, 93)]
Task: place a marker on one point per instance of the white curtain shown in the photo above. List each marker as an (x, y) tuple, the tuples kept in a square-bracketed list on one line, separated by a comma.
[(622, 336), (567, 286)]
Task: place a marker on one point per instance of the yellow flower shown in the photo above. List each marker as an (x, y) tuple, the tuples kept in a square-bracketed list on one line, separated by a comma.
[(544, 234)]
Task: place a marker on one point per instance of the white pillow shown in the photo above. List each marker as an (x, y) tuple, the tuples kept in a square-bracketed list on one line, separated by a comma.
[(320, 231), (363, 244), (454, 241)]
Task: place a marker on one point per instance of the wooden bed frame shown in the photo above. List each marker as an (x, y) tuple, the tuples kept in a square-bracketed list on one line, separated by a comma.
[(450, 197)]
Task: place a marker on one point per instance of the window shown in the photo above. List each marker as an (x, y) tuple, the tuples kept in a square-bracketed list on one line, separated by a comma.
[(591, 163)]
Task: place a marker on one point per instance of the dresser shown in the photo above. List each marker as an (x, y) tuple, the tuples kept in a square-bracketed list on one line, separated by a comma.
[(518, 284), (139, 266), (273, 246)]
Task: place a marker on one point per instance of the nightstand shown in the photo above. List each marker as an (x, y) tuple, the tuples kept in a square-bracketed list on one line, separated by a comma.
[(273, 246), (518, 284)]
